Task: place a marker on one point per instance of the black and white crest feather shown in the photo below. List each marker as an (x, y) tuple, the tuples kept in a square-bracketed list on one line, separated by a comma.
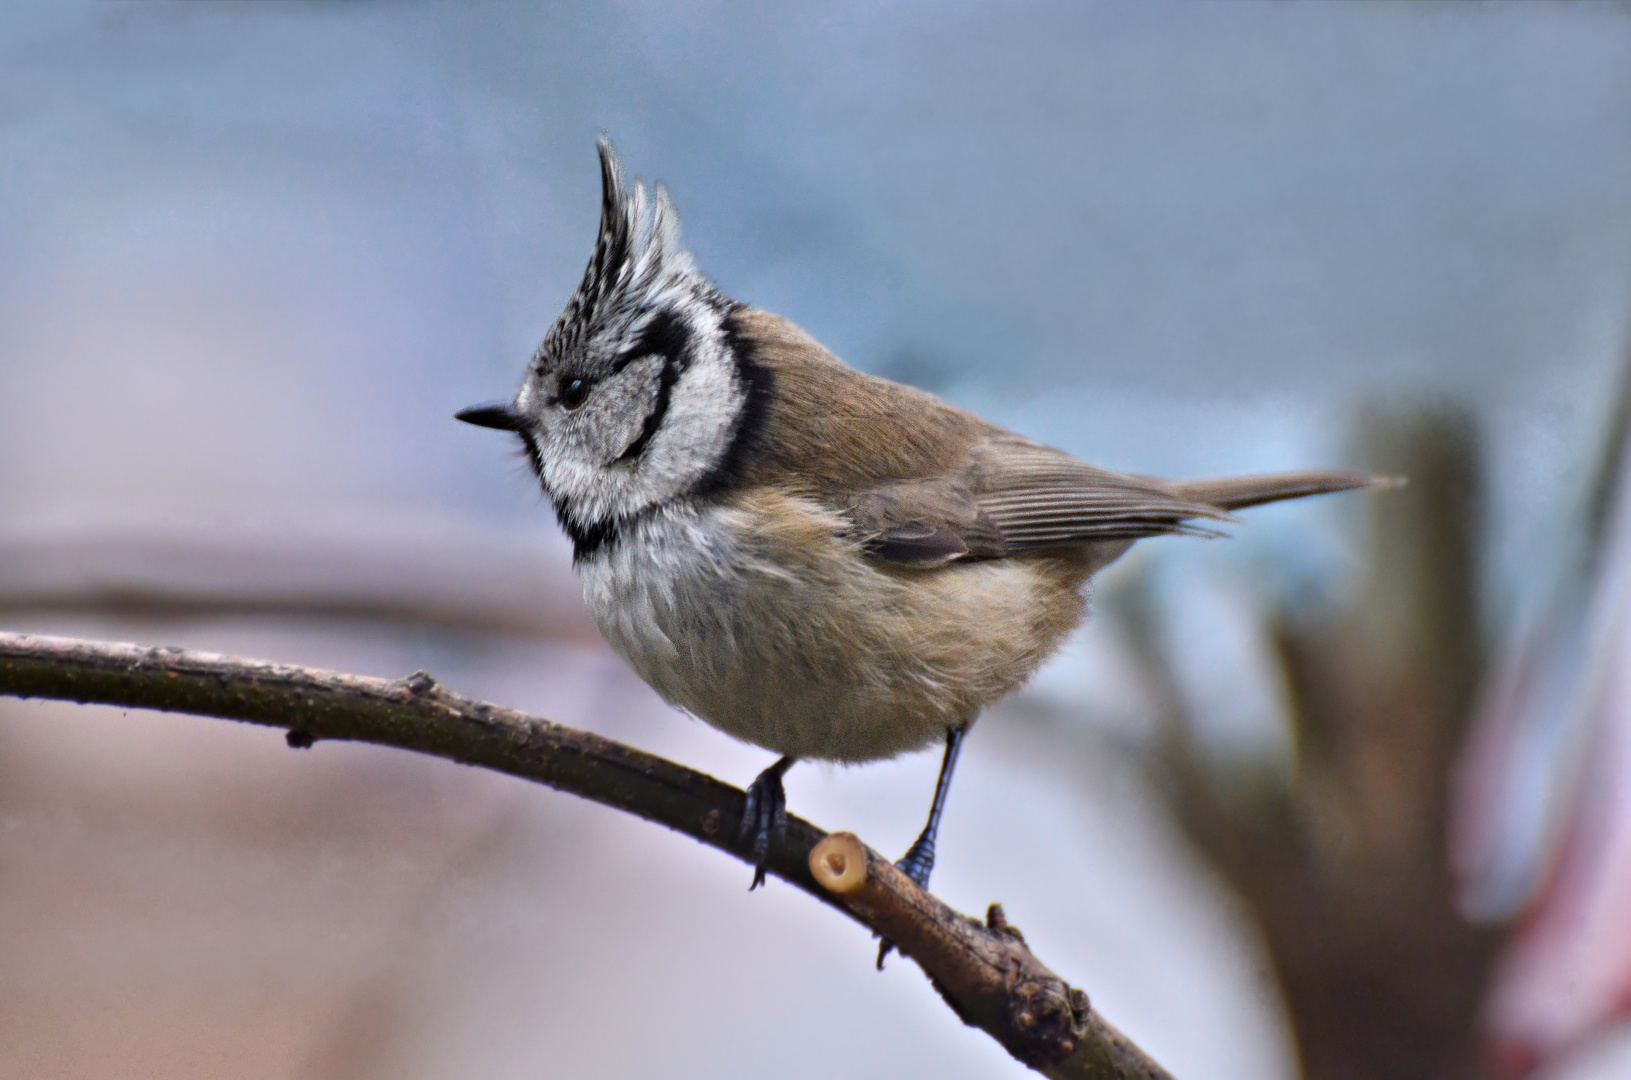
[(638, 265)]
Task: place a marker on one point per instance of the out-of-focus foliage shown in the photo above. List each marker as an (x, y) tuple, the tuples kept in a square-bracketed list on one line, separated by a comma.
[(1342, 856)]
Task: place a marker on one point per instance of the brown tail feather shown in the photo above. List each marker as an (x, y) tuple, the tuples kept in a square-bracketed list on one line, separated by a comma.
[(1237, 492)]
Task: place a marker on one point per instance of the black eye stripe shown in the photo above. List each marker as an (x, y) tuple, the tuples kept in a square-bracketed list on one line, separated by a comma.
[(666, 335), (672, 369)]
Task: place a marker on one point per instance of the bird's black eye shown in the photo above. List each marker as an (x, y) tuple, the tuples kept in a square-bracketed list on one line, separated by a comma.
[(575, 392)]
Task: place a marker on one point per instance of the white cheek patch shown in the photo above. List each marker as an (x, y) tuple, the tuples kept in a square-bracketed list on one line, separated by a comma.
[(693, 438), (616, 415), (701, 419), (694, 435), (582, 452), (580, 448), (572, 480)]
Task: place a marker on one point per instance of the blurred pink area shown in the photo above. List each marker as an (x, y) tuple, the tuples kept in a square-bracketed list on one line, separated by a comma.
[(1566, 977)]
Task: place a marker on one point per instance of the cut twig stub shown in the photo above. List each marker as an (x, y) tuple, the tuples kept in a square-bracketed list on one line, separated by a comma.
[(838, 863)]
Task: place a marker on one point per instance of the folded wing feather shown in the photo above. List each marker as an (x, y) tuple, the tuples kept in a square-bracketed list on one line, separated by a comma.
[(1020, 497)]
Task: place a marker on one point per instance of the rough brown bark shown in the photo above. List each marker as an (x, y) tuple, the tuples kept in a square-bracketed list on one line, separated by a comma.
[(984, 970)]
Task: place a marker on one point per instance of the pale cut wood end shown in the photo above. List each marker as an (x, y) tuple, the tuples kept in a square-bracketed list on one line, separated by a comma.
[(838, 863)]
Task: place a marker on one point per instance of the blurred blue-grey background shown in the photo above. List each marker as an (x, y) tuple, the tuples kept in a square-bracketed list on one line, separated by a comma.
[(253, 256)]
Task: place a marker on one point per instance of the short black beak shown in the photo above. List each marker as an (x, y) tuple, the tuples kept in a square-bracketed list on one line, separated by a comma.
[(498, 415)]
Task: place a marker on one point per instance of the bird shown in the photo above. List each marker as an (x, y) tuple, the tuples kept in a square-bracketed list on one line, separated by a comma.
[(821, 562)]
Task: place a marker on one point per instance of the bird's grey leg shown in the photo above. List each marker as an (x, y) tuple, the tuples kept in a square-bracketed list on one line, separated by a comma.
[(918, 862), (764, 815)]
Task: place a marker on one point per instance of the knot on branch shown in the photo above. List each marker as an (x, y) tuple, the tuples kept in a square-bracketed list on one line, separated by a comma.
[(419, 683), (1048, 1017), (996, 921)]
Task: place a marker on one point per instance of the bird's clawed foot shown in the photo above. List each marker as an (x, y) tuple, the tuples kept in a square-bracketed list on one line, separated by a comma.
[(917, 864), (764, 816)]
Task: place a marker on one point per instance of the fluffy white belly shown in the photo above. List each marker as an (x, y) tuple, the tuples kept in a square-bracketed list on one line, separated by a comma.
[(763, 621)]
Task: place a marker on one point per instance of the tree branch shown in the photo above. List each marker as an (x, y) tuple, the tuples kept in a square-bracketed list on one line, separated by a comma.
[(984, 971)]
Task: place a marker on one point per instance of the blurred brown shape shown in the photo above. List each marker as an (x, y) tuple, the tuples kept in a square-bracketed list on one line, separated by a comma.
[(411, 572), (1344, 862)]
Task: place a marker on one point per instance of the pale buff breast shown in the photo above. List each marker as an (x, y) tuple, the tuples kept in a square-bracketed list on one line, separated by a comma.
[(760, 618)]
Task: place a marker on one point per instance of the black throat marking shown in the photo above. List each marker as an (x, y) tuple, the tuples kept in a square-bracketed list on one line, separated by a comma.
[(586, 539)]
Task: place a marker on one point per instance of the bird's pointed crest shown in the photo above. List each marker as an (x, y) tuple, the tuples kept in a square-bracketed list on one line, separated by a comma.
[(637, 260)]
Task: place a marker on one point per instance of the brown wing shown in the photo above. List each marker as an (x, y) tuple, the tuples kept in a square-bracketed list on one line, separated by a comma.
[(1019, 497), (925, 523), (1037, 498), (1016, 498)]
